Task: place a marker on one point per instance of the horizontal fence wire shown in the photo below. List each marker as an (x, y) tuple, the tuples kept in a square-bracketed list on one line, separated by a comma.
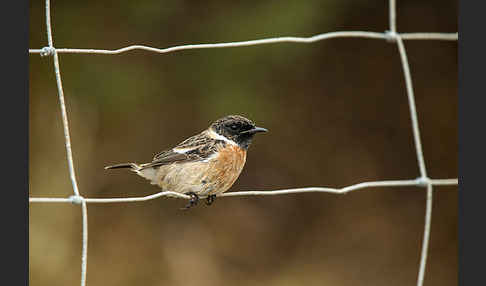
[(316, 38), (344, 190), (391, 36)]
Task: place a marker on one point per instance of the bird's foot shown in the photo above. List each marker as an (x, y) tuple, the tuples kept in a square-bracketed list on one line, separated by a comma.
[(210, 199), (192, 201)]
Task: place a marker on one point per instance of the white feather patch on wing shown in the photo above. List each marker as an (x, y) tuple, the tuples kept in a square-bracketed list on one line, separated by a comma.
[(182, 150), (217, 136)]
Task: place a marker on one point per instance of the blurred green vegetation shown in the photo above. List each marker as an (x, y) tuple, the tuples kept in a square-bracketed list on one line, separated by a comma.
[(337, 112)]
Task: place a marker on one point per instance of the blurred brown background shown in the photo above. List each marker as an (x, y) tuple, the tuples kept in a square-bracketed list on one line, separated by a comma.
[(337, 112)]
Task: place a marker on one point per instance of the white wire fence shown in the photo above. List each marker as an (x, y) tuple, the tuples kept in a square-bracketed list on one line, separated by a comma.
[(391, 36)]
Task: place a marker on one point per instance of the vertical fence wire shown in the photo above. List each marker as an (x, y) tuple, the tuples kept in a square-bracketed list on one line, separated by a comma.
[(62, 104), (412, 107), (420, 159), (67, 139), (417, 141), (426, 238)]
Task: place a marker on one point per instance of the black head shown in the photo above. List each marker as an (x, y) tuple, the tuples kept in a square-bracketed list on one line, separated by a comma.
[(236, 128)]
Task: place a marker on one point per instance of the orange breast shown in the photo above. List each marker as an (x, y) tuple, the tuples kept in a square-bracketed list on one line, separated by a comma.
[(226, 168)]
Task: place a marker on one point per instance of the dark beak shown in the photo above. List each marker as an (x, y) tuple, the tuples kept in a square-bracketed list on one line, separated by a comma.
[(254, 130)]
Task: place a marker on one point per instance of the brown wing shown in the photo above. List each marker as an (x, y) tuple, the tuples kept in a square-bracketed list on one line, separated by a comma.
[(196, 148)]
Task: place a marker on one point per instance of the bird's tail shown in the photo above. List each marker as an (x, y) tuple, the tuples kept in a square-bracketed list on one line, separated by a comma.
[(146, 172), (132, 166)]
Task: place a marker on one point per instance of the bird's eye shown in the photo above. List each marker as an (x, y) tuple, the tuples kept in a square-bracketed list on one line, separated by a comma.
[(234, 126)]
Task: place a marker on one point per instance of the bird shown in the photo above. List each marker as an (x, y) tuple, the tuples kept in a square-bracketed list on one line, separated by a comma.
[(204, 165)]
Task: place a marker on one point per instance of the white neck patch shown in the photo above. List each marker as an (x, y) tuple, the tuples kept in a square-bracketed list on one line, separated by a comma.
[(217, 136)]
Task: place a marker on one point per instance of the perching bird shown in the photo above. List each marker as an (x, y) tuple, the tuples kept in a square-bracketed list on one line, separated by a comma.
[(206, 164)]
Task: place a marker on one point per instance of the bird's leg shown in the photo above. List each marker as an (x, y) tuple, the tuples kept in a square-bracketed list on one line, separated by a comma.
[(210, 199), (192, 201)]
